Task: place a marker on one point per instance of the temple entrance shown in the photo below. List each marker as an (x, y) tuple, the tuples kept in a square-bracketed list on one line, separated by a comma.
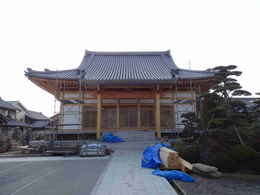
[(133, 114), (147, 116), (128, 117), (109, 117)]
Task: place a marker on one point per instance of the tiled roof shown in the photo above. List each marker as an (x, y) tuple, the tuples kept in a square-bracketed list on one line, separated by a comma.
[(64, 74), (16, 123), (36, 115), (18, 105), (248, 101), (40, 124), (141, 66), (6, 105), (105, 67)]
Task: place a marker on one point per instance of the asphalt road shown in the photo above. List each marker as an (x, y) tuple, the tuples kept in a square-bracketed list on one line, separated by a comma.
[(55, 177)]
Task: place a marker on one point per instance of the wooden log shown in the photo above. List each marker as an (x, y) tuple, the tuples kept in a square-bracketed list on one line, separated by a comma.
[(172, 160)]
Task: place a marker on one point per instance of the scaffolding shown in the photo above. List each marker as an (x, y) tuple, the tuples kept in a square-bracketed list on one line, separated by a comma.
[(74, 100)]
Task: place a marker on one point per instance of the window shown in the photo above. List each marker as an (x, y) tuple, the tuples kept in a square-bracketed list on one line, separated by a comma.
[(128, 116), (108, 117), (89, 117), (147, 116)]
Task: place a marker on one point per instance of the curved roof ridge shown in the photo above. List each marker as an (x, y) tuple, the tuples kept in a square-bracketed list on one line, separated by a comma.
[(47, 71), (169, 62), (87, 52), (198, 71), (123, 66)]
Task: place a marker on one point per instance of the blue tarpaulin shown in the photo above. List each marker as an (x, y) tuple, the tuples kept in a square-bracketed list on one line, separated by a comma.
[(110, 138), (174, 174), (151, 156), (151, 159)]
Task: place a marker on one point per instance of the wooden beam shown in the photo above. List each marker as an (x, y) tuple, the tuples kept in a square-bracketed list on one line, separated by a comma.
[(98, 115), (157, 115)]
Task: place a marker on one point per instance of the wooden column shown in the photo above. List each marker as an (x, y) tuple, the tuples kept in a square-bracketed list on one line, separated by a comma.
[(61, 117), (157, 114), (138, 115), (194, 101), (200, 106), (173, 106), (117, 116), (98, 115)]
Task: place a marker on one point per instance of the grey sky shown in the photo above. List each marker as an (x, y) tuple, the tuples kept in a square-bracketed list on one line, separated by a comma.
[(54, 34)]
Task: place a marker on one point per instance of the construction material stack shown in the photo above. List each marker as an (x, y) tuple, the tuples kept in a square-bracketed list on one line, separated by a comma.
[(171, 160)]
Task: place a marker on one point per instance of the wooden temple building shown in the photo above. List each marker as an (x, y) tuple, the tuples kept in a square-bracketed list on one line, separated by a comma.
[(117, 91)]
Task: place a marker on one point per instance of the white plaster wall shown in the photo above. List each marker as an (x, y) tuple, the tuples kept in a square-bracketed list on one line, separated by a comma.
[(184, 95), (71, 95), (71, 117)]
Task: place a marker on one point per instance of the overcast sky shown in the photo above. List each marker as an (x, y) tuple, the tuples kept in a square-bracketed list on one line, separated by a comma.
[(54, 34)]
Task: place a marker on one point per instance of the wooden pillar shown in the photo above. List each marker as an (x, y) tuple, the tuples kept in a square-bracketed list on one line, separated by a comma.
[(157, 114), (117, 116), (194, 101), (200, 106), (138, 115), (173, 106), (98, 115)]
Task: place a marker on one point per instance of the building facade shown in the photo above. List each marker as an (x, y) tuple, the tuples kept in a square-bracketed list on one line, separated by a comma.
[(11, 128), (36, 122), (117, 91)]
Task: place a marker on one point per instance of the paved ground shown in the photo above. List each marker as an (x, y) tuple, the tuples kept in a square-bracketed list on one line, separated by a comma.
[(223, 186), (49, 176), (124, 174)]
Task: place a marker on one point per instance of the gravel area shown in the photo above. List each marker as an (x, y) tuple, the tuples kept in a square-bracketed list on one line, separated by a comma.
[(227, 185)]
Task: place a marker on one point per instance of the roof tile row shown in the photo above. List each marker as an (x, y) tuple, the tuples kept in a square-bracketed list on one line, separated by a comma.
[(124, 66)]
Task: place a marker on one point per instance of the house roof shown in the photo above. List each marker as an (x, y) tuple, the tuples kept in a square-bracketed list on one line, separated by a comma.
[(29, 113), (40, 124), (16, 123), (55, 116), (249, 101), (18, 105), (35, 115), (6, 105), (107, 67)]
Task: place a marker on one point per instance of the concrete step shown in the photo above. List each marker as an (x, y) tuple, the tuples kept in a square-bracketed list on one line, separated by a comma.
[(135, 135)]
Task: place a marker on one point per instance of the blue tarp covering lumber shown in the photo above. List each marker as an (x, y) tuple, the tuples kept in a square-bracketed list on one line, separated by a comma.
[(151, 156), (110, 138), (151, 159), (174, 175)]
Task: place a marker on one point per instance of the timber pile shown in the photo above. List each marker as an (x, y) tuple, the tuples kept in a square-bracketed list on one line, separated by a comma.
[(206, 170), (172, 160)]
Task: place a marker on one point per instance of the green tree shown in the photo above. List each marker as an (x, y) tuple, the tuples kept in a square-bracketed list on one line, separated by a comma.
[(190, 123), (220, 110)]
